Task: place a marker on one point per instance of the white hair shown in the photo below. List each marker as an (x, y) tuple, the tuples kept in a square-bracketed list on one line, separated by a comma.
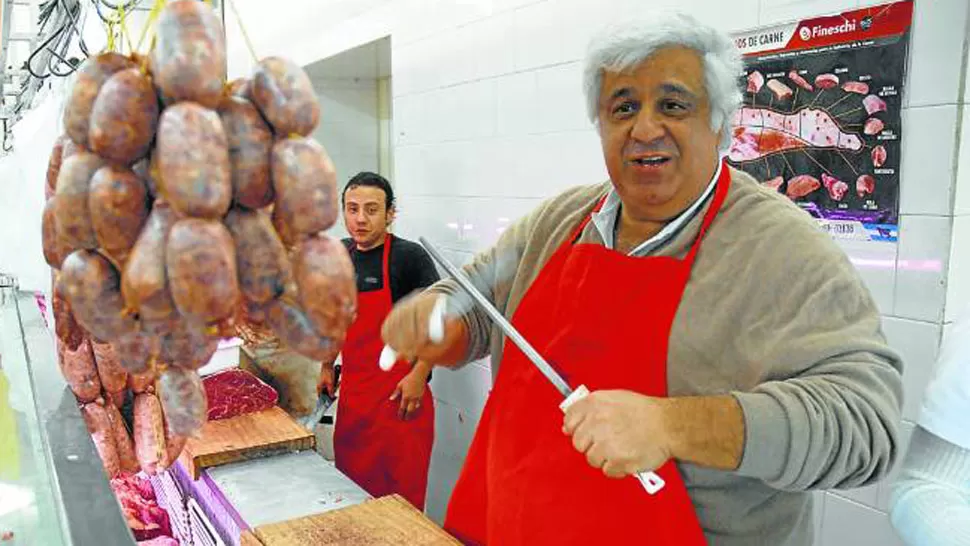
[(622, 48)]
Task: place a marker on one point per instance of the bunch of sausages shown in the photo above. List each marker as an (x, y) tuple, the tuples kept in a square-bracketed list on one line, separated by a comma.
[(175, 200)]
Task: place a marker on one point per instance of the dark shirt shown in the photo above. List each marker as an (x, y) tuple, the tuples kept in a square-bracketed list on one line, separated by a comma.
[(410, 267)]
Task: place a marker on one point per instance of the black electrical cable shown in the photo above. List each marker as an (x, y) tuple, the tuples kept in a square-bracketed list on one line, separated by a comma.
[(126, 8), (63, 46), (74, 25), (6, 132), (58, 56), (41, 48), (63, 40), (127, 5)]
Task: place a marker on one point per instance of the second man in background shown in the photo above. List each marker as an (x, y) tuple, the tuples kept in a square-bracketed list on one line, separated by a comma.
[(385, 423)]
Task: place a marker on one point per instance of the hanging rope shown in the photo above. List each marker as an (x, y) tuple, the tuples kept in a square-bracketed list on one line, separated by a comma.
[(111, 36), (150, 23), (123, 28)]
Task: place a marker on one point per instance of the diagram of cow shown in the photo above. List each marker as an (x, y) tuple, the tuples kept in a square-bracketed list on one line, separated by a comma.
[(811, 115)]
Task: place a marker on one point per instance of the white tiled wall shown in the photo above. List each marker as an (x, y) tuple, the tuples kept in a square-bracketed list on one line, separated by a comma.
[(928, 159), (958, 289), (924, 249), (962, 200), (489, 120), (349, 128), (349, 124)]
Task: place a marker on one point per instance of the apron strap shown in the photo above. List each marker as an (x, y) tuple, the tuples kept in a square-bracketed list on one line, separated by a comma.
[(720, 193), (385, 265)]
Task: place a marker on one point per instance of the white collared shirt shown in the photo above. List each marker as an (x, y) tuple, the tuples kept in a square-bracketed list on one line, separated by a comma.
[(606, 219)]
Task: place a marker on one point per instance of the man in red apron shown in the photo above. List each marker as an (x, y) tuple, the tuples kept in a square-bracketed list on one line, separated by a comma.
[(586, 281), (515, 475), (381, 416)]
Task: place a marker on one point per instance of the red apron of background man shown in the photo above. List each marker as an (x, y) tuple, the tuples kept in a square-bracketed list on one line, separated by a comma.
[(372, 445), (602, 319)]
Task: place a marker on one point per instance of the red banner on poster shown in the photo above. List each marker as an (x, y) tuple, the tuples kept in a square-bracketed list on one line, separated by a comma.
[(862, 24)]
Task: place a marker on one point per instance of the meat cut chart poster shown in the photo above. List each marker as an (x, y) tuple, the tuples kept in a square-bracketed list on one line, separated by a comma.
[(821, 119)]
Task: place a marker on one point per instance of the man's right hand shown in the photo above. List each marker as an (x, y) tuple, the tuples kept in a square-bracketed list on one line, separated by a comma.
[(406, 331)]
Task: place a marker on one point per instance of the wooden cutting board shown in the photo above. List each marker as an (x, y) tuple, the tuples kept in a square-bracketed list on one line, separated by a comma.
[(387, 521), (247, 538), (244, 437)]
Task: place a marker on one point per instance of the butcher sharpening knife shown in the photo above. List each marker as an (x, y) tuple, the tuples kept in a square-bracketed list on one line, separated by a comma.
[(651, 482)]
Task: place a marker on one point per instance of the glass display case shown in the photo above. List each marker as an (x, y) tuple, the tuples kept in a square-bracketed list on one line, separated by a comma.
[(53, 489)]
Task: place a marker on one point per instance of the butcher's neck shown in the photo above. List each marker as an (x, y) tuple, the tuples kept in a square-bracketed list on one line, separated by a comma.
[(633, 228), (631, 232)]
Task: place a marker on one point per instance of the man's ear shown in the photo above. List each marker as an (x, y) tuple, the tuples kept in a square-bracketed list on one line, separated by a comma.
[(391, 215)]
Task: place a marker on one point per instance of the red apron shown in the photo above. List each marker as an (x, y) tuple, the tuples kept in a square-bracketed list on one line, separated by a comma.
[(372, 445), (603, 319)]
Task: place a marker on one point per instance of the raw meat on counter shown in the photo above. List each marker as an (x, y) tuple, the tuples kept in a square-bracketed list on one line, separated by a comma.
[(236, 392), (860, 88), (874, 104), (146, 519), (865, 185), (826, 81), (802, 185), (759, 132), (755, 82), (800, 81), (781, 91), (879, 156), (159, 541), (837, 188), (873, 126)]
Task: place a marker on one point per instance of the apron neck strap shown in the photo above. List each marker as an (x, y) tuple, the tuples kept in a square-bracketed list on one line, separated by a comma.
[(720, 193), (385, 260)]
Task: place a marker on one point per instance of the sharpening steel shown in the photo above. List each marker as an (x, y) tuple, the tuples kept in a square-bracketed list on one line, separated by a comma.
[(651, 482)]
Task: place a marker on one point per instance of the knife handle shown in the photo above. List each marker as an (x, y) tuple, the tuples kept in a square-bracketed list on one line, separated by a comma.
[(651, 481)]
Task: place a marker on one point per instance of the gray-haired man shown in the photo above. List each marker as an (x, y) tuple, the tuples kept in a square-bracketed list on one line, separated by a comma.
[(728, 343)]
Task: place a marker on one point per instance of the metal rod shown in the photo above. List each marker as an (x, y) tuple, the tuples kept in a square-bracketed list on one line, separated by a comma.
[(547, 370)]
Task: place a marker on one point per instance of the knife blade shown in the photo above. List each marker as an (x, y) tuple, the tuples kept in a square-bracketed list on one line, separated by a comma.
[(651, 482), (547, 370)]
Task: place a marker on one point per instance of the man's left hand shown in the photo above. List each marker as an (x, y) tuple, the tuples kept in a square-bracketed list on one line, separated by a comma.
[(410, 390), (620, 432)]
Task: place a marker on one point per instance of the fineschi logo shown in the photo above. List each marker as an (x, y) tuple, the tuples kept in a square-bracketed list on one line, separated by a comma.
[(820, 31)]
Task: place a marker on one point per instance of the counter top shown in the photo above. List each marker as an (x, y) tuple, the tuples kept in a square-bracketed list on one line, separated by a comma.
[(285, 487)]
